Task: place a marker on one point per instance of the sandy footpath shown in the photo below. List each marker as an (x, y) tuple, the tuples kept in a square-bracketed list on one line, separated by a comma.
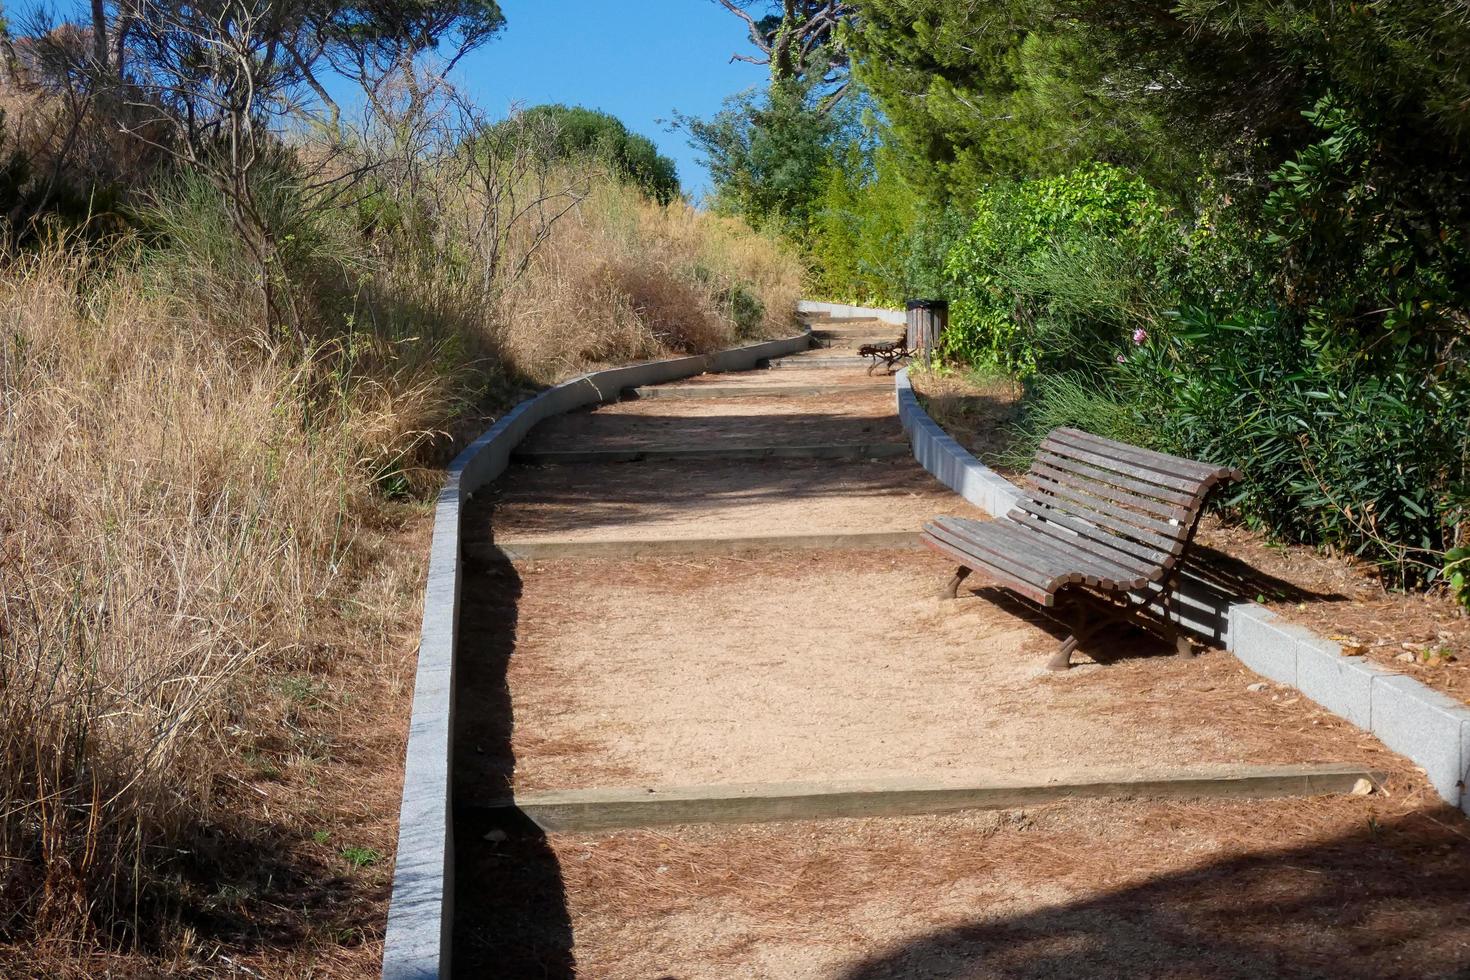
[(821, 666)]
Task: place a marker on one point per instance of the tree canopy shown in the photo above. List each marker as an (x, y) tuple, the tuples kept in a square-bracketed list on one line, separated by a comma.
[(577, 132)]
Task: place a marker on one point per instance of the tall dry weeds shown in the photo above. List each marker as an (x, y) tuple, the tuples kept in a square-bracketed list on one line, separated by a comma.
[(184, 497)]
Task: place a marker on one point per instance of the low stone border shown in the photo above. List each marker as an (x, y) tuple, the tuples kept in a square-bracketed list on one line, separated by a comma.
[(938, 452), (1431, 729), (420, 913), (844, 311)]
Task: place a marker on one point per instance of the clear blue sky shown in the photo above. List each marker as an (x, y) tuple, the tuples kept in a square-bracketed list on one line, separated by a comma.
[(638, 61)]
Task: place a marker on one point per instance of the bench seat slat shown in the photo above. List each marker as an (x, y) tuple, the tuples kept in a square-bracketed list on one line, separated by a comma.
[(1041, 571), (1163, 459), (1060, 495), (1040, 596), (1040, 545), (1100, 541), (1101, 571), (1157, 491), (1025, 547), (963, 557), (1181, 483), (1106, 488)]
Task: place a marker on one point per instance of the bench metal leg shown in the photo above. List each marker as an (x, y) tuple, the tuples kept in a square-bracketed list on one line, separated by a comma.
[(1083, 627), (1062, 659), (952, 590), (1173, 632)]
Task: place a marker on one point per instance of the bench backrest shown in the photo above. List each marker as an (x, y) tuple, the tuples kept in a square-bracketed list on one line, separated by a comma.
[(1135, 507)]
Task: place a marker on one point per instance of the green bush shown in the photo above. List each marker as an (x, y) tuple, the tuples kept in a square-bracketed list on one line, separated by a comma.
[(874, 239), (1366, 462), (1079, 400), (581, 134), (1056, 269)]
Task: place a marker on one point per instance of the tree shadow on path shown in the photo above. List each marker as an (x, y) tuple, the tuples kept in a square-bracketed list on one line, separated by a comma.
[(1389, 900), (510, 907)]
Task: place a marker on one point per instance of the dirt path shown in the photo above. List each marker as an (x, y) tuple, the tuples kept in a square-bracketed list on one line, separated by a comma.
[(827, 665)]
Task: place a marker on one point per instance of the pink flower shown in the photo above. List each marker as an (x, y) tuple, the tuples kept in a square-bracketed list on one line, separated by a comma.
[(1140, 335), (1122, 359)]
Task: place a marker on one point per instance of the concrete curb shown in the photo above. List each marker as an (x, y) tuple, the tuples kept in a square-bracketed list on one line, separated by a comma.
[(420, 913), (938, 452), (844, 311), (1431, 729)]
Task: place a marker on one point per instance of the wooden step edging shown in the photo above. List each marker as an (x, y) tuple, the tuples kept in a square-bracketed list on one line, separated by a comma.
[(856, 450), (420, 912), (843, 311), (1428, 727), (712, 391), (561, 548), (833, 362), (591, 810)]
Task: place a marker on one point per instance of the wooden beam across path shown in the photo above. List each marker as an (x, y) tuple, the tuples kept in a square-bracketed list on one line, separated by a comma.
[(636, 454), (847, 361), (557, 548), (585, 810), (699, 392)]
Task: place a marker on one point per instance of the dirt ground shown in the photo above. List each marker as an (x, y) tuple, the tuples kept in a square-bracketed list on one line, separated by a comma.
[(1424, 635), (714, 499), (1365, 887), (819, 421), (816, 666), (791, 377), (974, 410)]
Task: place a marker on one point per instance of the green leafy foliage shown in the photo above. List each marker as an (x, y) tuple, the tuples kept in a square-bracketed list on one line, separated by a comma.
[(1055, 269), (768, 153), (874, 238), (1456, 573), (1363, 461), (587, 134)]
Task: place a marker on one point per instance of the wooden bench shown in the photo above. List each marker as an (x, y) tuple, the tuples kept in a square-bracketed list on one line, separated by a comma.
[(889, 354), (1097, 520)]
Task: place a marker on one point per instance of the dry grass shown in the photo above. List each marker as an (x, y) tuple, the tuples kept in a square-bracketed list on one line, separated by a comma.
[(974, 407), (623, 277), (210, 556)]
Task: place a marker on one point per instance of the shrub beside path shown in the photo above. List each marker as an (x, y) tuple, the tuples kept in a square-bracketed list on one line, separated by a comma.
[(695, 644)]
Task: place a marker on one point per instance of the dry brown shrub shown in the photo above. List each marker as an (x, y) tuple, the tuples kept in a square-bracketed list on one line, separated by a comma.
[(171, 525), (623, 278), (193, 514)]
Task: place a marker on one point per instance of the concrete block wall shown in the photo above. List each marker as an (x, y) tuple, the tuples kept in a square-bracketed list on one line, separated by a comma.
[(421, 912), (1429, 728)]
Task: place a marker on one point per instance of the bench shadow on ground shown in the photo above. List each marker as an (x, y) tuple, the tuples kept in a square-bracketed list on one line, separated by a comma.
[(1388, 900), (510, 906), (1212, 581)]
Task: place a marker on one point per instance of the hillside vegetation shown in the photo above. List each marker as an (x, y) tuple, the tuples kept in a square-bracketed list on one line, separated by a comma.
[(1235, 231), (223, 412)]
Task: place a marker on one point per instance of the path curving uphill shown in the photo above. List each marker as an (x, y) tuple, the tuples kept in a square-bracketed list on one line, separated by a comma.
[(704, 604)]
